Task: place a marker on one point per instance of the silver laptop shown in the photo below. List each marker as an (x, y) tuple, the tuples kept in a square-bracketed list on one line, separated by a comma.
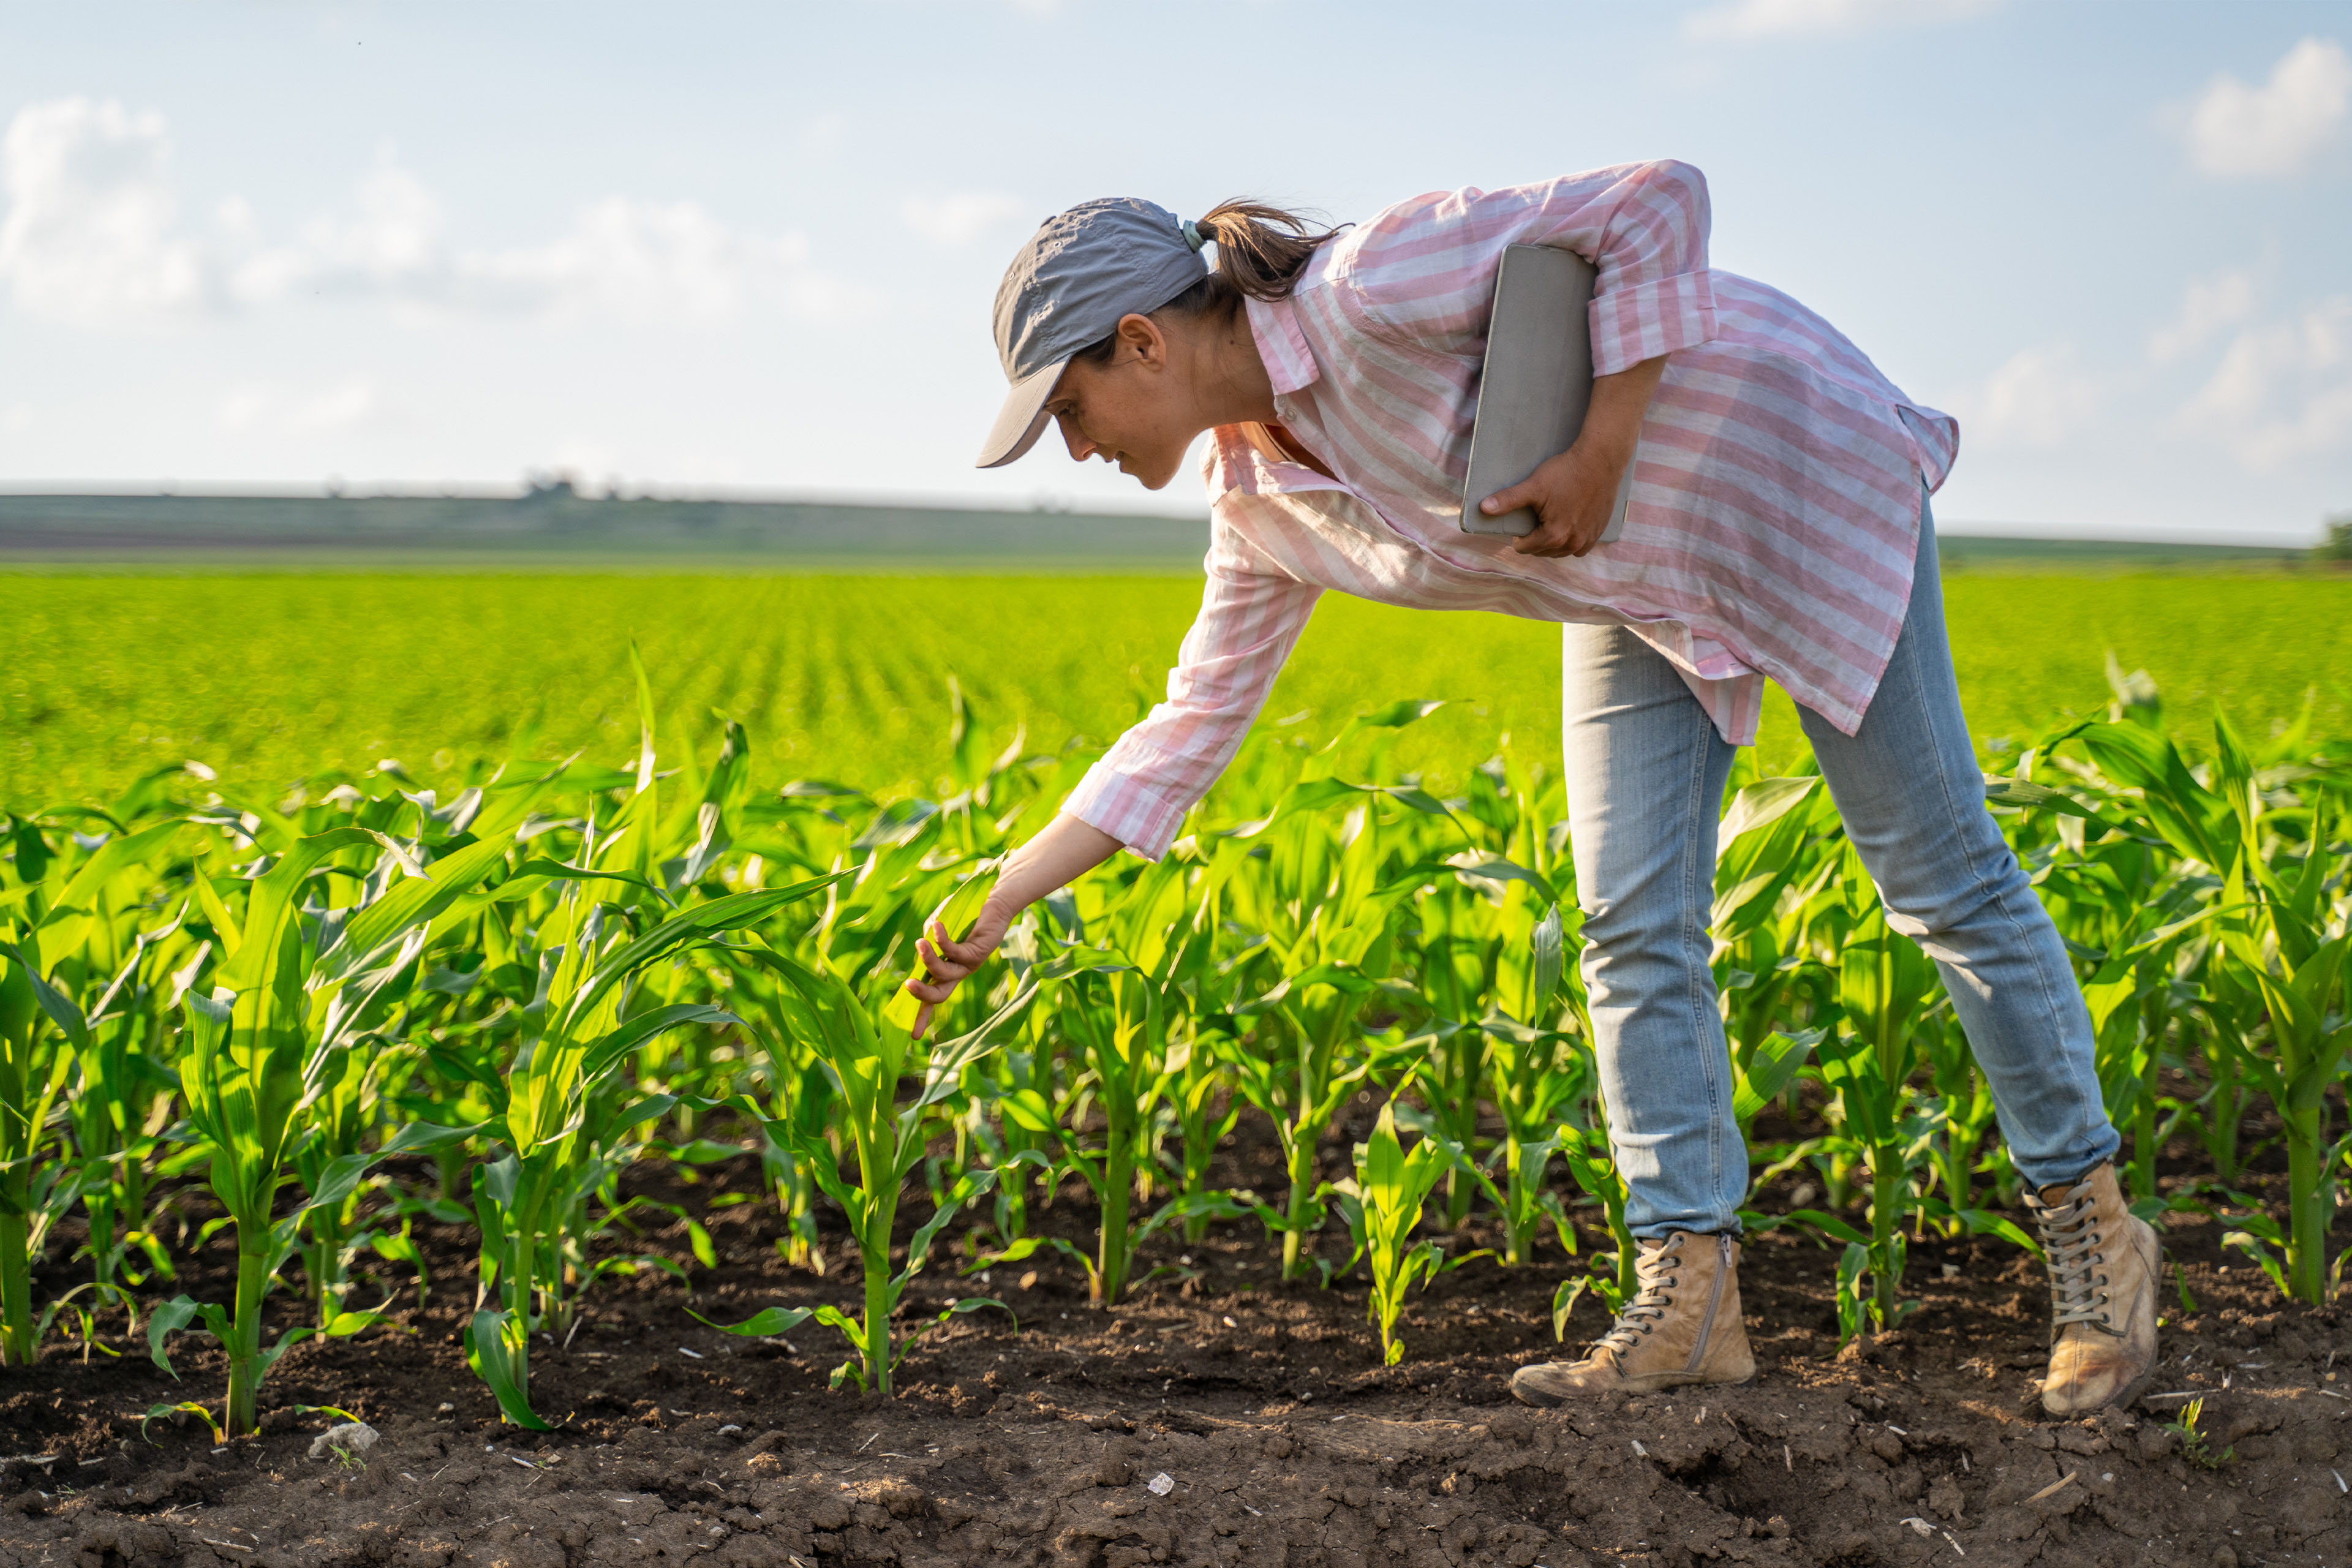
[(1537, 383)]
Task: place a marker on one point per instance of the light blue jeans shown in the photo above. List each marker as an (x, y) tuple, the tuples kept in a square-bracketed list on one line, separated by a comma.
[(1645, 775)]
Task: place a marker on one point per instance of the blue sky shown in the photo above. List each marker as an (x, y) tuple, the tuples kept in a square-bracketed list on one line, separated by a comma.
[(752, 247)]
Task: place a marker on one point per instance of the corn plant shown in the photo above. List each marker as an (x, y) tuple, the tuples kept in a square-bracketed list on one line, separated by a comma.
[(1535, 1073), (1329, 937), (39, 1028), (1885, 982), (867, 1055), (2286, 945), (1383, 1206), (1116, 1010), (1610, 1276), (559, 1119), (282, 1006)]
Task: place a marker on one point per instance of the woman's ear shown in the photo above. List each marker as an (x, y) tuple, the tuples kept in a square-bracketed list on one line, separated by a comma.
[(1142, 337)]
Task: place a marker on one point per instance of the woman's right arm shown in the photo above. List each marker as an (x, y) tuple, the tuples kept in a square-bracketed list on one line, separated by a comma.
[(1134, 797)]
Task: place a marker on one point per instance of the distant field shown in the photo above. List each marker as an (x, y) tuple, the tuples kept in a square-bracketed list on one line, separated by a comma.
[(270, 678)]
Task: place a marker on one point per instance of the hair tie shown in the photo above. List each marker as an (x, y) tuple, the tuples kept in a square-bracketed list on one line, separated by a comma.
[(1192, 234)]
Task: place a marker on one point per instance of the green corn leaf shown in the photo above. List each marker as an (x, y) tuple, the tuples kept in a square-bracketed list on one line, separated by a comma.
[(1563, 1302), (1770, 1070), (171, 1318), (410, 902), (273, 901), (111, 858), (764, 1325), (182, 1408), (60, 1007), (489, 1328), (1760, 804), (341, 1326), (1829, 1225), (903, 1010), (701, 923)]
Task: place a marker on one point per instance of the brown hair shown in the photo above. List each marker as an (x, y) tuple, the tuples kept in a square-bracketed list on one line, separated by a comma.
[(1261, 251)]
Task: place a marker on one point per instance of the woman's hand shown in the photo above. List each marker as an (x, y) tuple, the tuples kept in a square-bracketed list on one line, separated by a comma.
[(1574, 493), (1573, 496), (1066, 850), (947, 962)]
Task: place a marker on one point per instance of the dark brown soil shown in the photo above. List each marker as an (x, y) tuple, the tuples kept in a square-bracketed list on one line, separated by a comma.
[(1280, 1437)]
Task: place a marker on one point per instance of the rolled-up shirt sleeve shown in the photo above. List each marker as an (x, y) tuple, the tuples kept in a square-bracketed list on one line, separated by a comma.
[(1250, 618), (1429, 263)]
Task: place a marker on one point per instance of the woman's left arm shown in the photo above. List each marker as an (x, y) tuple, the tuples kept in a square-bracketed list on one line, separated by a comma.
[(1424, 271), (1574, 493)]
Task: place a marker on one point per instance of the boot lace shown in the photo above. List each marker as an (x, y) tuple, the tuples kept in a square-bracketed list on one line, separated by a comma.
[(1640, 1316), (2070, 1237)]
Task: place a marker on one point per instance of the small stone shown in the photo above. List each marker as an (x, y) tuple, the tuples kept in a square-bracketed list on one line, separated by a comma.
[(447, 1409), (348, 1437), (1161, 1484)]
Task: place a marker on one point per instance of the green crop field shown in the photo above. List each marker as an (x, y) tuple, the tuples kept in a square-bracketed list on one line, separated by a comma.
[(271, 678), (544, 981)]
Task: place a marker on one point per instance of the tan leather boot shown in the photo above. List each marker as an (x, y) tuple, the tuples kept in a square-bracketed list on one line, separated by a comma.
[(2104, 1263), (1683, 1327)]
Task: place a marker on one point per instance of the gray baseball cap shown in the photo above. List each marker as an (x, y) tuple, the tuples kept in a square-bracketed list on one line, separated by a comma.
[(1066, 290)]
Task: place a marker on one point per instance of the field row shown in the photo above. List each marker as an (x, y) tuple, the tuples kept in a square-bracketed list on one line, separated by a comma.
[(267, 680)]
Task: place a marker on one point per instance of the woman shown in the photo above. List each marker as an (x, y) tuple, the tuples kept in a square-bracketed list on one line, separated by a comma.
[(1779, 527)]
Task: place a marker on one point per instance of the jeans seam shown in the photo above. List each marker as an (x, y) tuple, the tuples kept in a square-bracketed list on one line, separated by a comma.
[(1695, 990)]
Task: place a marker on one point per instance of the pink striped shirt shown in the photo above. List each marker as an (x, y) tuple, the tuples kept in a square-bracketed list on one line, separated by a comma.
[(1777, 484)]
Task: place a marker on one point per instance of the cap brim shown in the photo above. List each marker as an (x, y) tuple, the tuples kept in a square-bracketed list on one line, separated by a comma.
[(1023, 419)]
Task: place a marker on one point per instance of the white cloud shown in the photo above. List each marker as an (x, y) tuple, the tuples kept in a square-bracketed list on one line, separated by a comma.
[(1772, 18), (91, 235), (2282, 390), (958, 220), (2270, 129), (2207, 305), (90, 230), (638, 260), (2040, 398)]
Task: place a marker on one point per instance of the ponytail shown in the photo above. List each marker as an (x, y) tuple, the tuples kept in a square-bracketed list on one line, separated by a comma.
[(1262, 251)]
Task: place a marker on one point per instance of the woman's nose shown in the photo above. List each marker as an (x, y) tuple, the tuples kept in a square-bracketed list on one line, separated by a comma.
[(1081, 448)]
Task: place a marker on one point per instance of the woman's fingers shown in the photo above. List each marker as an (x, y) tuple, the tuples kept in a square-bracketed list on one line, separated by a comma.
[(922, 1021), (940, 960), (1523, 493), (943, 964), (1572, 499), (1554, 540)]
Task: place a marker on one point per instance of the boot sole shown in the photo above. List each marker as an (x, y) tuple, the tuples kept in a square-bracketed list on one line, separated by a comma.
[(1543, 1401), (2122, 1398)]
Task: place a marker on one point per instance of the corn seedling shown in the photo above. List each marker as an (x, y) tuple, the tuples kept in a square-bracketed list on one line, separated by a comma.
[(866, 1056), (559, 1122), (1383, 1206), (2195, 1446)]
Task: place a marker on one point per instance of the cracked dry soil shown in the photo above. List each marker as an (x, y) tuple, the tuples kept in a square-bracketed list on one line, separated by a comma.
[(1282, 1439)]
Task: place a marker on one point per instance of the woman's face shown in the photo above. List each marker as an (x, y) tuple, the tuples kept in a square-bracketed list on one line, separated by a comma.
[(1136, 410)]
